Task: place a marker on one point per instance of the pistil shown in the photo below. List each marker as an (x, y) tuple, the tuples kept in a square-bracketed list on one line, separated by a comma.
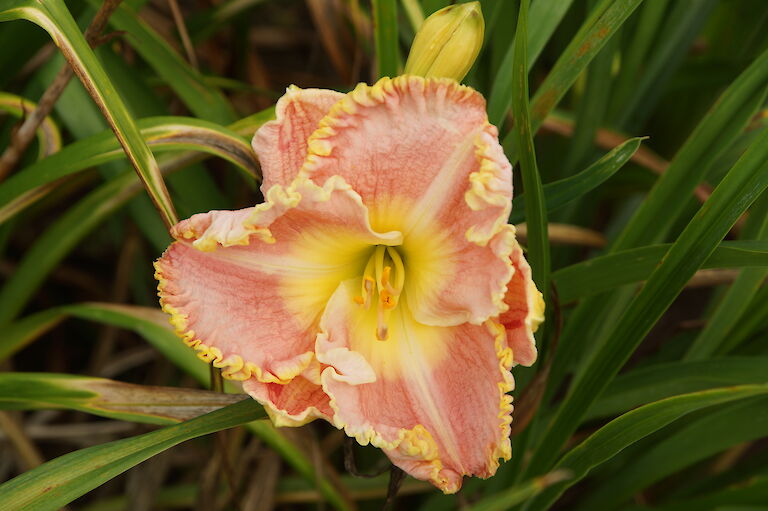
[(385, 274)]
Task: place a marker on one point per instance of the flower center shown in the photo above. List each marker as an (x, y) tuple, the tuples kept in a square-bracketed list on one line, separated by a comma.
[(383, 280)]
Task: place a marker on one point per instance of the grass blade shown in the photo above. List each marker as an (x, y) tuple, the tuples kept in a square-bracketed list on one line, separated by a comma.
[(160, 133), (60, 481), (739, 422), (599, 274), (741, 186), (153, 326), (48, 136), (563, 192), (631, 427), (661, 381), (385, 37), (605, 21), (204, 100), (535, 206), (108, 398), (739, 295), (726, 119), (520, 493), (54, 17), (650, 16), (681, 27), (544, 17)]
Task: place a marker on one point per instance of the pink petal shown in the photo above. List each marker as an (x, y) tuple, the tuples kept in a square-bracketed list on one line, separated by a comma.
[(525, 313), (438, 406), (281, 145), (424, 159), (292, 404), (246, 288)]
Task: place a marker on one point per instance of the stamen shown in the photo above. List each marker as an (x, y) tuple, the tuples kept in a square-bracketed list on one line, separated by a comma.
[(385, 274)]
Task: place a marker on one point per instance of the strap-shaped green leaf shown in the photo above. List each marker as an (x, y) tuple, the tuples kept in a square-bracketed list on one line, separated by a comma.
[(631, 427), (108, 398), (161, 133), (203, 100), (153, 326), (605, 21), (48, 136), (742, 185), (535, 206), (738, 297), (660, 381), (60, 481), (592, 277), (385, 37), (735, 423), (54, 17), (565, 191)]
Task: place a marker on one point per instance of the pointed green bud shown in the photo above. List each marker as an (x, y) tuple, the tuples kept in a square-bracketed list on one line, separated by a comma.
[(447, 43)]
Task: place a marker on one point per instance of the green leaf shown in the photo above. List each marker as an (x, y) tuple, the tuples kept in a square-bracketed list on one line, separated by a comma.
[(24, 331), (650, 16), (153, 326), (682, 25), (752, 491), (204, 100), (590, 111), (71, 227), (752, 322), (661, 381), (54, 17), (53, 244), (504, 500), (735, 193), (161, 133), (716, 431), (599, 274), (604, 21), (108, 398), (48, 136), (736, 301), (60, 481), (636, 425), (385, 37), (544, 17), (535, 207), (565, 191), (725, 120)]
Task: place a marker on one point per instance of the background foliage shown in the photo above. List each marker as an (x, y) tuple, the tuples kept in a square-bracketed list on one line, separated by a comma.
[(640, 132)]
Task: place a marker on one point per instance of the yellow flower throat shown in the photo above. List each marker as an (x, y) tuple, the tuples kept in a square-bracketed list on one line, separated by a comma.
[(384, 275)]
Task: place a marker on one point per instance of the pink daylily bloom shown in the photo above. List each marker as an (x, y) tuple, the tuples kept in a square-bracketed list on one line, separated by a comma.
[(379, 286)]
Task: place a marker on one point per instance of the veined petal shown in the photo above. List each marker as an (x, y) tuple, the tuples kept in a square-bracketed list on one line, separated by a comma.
[(452, 281), (438, 406), (281, 145), (246, 288), (424, 159), (413, 143), (525, 311), (292, 404)]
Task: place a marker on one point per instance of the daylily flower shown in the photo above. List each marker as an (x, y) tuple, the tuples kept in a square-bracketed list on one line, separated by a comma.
[(379, 286)]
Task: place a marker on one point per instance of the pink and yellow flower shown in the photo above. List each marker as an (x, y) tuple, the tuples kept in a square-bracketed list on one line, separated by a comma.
[(379, 286)]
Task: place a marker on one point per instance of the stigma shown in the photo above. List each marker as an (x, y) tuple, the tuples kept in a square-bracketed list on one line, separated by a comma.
[(383, 280)]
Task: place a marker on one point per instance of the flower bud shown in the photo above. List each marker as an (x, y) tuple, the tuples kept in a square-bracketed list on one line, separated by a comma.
[(447, 43)]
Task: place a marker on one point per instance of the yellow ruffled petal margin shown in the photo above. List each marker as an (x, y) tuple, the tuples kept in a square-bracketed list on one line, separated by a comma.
[(489, 186), (418, 441), (368, 95), (279, 199)]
